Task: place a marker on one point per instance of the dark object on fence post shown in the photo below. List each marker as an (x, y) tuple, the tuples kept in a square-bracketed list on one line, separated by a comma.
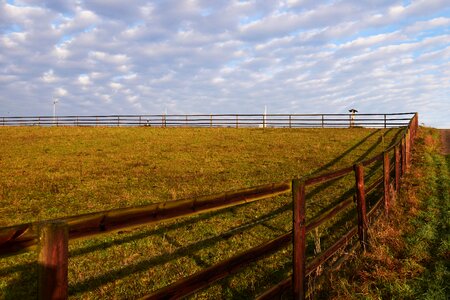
[(385, 121), (361, 205), (323, 121), (386, 180), (52, 260), (352, 117), (299, 240), (397, 168)]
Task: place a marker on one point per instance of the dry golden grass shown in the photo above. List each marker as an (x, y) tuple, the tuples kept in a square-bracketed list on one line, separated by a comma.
[(54, 172)]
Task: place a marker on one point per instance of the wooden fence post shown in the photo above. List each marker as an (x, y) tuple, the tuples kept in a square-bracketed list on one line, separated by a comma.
[(299, 240), (52, 260), (361, 205), (386, 180), (385, 121), (397, 168), (323, 121), (408, 149)]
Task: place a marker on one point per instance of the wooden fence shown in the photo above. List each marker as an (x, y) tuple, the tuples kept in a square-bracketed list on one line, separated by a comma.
[(222, 120), (51, 237)]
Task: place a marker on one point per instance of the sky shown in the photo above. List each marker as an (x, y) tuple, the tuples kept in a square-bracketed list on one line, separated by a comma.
[(104, 57)]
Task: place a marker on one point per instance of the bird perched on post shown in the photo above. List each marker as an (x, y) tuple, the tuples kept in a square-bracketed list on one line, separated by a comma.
[(352, 116)]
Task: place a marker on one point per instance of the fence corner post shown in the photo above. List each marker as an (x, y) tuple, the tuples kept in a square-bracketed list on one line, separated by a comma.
[(299, 239), (53, 260), (361, 205), (386, 180)]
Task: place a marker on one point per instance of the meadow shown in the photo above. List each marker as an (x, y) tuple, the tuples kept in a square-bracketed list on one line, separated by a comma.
[(53, 172)]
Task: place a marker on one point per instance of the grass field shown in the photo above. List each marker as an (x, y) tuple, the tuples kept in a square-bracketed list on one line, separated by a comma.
[(53, 172)]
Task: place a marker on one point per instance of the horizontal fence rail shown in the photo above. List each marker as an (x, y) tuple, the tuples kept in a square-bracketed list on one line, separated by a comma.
[(220, 120), (25, 236), (52, 236)]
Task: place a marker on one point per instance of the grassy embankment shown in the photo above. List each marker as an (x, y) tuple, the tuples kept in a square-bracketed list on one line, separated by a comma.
[(53, 172), (409, 256)]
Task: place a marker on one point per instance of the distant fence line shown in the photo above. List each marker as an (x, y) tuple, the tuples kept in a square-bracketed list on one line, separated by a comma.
[(220, 120)]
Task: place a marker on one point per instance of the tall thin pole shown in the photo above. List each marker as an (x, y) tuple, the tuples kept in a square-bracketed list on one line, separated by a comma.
[(55, 100)]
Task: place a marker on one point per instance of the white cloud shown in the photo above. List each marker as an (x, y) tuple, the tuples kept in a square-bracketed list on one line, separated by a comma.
[(60, 92), (49, 77), (84, 79)]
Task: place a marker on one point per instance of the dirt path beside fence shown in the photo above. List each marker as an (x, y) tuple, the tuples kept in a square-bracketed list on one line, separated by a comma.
[(445, 136)]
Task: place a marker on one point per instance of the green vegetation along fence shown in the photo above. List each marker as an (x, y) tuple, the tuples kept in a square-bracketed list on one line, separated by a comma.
[(52, 237), (222, 120)]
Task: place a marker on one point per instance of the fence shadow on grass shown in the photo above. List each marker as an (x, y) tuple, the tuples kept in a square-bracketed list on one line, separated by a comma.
[(186, 251), (24, 285), (337, 159), (276, 275), (351, 191)]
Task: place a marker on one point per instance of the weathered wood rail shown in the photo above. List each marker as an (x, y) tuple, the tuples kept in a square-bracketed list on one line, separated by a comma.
[(52, 237), (219, 120)]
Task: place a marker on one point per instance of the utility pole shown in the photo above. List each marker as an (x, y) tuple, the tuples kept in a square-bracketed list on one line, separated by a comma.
[(55, 100)]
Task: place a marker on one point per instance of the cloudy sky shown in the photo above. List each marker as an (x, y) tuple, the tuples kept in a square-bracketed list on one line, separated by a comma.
[(203, 56)]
